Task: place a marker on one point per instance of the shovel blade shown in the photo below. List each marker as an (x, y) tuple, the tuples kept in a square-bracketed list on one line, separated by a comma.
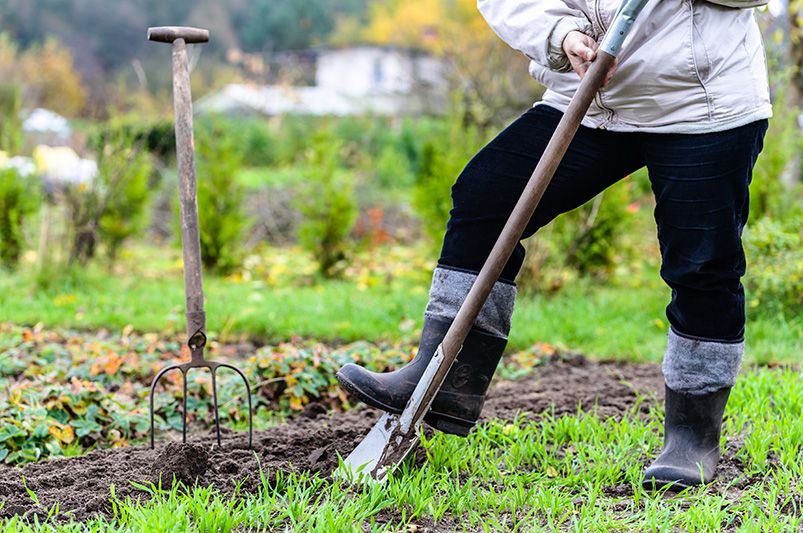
[(378, 454)]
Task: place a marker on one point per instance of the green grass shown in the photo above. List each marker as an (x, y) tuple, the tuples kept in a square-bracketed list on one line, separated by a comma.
[(607, 321), (557, 473)]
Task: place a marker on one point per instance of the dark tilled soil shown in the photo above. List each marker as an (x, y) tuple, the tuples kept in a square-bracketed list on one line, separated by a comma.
[(310, 442)]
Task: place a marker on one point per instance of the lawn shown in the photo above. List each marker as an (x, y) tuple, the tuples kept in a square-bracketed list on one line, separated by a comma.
[(381, 299)]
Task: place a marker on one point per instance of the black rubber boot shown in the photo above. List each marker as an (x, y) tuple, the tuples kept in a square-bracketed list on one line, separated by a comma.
[(457, 406), (691, 452)]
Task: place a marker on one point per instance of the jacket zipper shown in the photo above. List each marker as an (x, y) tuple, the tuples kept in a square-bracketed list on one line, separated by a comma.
[(598, 97)]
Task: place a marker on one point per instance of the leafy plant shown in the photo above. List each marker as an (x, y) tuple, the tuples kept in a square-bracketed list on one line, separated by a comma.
[(326, 200), (585, 241), (220, 201), (440, 164), (125, 170), (20, 197), (10, 123), (775, 266), (782, 148), (111, 207), (295, 376)]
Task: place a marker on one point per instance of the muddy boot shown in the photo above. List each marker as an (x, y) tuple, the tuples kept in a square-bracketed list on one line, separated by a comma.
[(696, 395), (691, 440), (458, 404)]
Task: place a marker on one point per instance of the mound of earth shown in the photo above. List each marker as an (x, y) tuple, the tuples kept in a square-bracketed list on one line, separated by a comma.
[(312, 441)]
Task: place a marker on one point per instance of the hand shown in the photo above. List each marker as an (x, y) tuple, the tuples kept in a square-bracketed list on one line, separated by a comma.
[(582, 51)]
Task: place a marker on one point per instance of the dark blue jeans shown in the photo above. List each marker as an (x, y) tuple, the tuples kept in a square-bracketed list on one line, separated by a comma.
[(701, 190)]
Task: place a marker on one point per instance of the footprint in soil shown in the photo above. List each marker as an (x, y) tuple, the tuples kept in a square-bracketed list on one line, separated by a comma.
[(184, 462)]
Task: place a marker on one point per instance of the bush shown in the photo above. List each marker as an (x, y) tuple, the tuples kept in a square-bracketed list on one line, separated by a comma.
[(10, 123), (157, 137), (111, 208), (782, 148), (326, 201), (220, 201), (774, 278), (125, 170), (20, 197), (585, 241), (440, 163)]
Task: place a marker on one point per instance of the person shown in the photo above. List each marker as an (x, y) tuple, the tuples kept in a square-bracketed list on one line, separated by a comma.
[(689, 99)]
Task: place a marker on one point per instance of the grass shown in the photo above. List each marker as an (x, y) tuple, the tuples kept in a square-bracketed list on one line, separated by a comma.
[(570, 473), (606, 321)]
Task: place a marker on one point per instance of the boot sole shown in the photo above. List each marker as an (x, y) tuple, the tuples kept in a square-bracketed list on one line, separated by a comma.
[(674, 485), (355, 392), (441, 422)]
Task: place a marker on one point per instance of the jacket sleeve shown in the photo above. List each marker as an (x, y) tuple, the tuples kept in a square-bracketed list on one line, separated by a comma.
[(536, 28)]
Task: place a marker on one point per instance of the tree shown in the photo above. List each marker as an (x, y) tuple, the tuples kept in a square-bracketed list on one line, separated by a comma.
[(490, 77), (273, 25), (51, 81)]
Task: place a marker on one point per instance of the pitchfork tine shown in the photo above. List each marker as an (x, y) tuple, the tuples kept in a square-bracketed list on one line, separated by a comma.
[(153, 388), (248, 394), (184, 409), (214, 401)]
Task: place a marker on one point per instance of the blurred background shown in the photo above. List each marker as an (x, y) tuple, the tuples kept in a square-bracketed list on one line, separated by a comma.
[(329, 133)]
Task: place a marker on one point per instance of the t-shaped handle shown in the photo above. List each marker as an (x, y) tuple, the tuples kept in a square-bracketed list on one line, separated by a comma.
[(168, 34)]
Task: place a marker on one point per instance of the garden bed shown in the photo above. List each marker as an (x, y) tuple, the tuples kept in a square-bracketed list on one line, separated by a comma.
[(80, 486)]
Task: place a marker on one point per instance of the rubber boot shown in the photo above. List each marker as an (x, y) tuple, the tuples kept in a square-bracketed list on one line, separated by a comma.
[(458, 404), (691, 452)]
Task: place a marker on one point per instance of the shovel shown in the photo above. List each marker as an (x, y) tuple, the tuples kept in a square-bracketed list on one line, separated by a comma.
[(395, 436)]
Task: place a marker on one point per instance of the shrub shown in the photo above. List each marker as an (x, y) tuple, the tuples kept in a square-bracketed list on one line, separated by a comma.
[(259, 143), (775, 265), (392, 169), (125, 170), (782, 148), (326, 201), (157, 137), (440, 163), (111, 208), (220, 201), (20, 197), (10, 123), (585, 241)]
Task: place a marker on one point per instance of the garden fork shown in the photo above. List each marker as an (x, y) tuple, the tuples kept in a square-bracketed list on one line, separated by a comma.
[(190, 234)]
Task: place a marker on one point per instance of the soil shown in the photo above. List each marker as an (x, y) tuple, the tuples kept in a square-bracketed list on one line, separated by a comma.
[(312, 441)]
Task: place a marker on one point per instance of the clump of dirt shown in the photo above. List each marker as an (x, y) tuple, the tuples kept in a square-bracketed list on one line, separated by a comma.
[(311, 442), (186, 463)]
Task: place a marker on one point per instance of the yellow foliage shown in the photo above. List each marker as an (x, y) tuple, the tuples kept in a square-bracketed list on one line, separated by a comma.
[(440, 26), (48, 72), (63, 434), (491, 78)]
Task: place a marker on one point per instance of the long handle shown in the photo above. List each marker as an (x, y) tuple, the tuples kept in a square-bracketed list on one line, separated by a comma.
[(190, 233)]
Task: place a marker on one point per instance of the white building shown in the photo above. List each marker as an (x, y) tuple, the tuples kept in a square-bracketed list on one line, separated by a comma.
[(348, 81)]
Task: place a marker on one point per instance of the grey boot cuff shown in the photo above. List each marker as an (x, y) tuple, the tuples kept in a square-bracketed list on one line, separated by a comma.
[(696, 366), (450, 288)]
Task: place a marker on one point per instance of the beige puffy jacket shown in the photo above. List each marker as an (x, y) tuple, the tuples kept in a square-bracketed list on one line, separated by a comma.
[(688, 66)]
